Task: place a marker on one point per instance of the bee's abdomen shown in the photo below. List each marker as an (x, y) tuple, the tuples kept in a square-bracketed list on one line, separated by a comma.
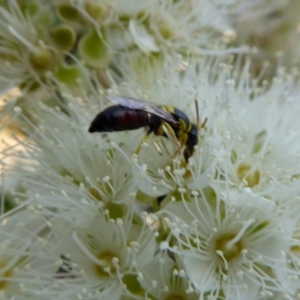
[(129, 119), (119, 118)]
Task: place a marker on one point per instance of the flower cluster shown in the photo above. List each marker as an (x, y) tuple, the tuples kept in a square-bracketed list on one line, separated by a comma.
[(126, 216), (42, 37)]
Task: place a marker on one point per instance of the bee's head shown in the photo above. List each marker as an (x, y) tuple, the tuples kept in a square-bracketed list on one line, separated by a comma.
[(192, 141)]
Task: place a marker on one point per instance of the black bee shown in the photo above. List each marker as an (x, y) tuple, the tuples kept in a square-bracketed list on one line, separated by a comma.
[(162, 120)]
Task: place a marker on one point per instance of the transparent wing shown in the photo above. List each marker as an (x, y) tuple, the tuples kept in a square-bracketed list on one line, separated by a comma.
[(135, 104)]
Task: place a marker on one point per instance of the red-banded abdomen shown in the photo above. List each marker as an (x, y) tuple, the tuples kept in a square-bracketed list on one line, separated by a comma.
[(119, 118)]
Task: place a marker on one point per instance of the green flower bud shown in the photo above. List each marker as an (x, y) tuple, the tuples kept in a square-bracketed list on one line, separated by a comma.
[(68, 13), (68, 74), (29, 7), (64, 37), (94, 50), (41, 59), (95, 11)]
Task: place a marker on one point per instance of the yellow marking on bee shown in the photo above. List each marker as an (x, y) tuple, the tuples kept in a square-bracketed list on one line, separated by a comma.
[(182, 125), (160, 130), (168, 108), (183, 139)]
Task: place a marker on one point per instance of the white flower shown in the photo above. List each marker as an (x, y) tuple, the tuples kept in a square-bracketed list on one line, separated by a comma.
[(165, 278), (25, 269), (250, 138), (101, 260), (24, 53), (235, 247), (162, 25), (142, 38), (67, 158), (160, 167), (260, 147), (224, 221), (188, 25), (240, 233)]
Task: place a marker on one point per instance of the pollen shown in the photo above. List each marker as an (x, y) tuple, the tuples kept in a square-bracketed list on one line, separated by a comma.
[(229, 253), (166, 30), (179, 170), (295, 249), (107, 266), (245, 172), (103, 191)]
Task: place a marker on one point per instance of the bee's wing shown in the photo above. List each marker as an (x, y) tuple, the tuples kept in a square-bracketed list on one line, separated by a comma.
[(135, 104)]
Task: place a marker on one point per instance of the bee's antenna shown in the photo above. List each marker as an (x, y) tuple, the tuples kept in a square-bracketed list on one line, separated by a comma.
[(197, 112), (198, 118)]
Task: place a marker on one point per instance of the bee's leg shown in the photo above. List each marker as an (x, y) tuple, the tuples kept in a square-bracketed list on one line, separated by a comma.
[(182, 139), (170, 132), (203, 124), (144, 140)]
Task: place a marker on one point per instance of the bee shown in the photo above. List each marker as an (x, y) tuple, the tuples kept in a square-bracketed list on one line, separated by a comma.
[(162, 120)]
